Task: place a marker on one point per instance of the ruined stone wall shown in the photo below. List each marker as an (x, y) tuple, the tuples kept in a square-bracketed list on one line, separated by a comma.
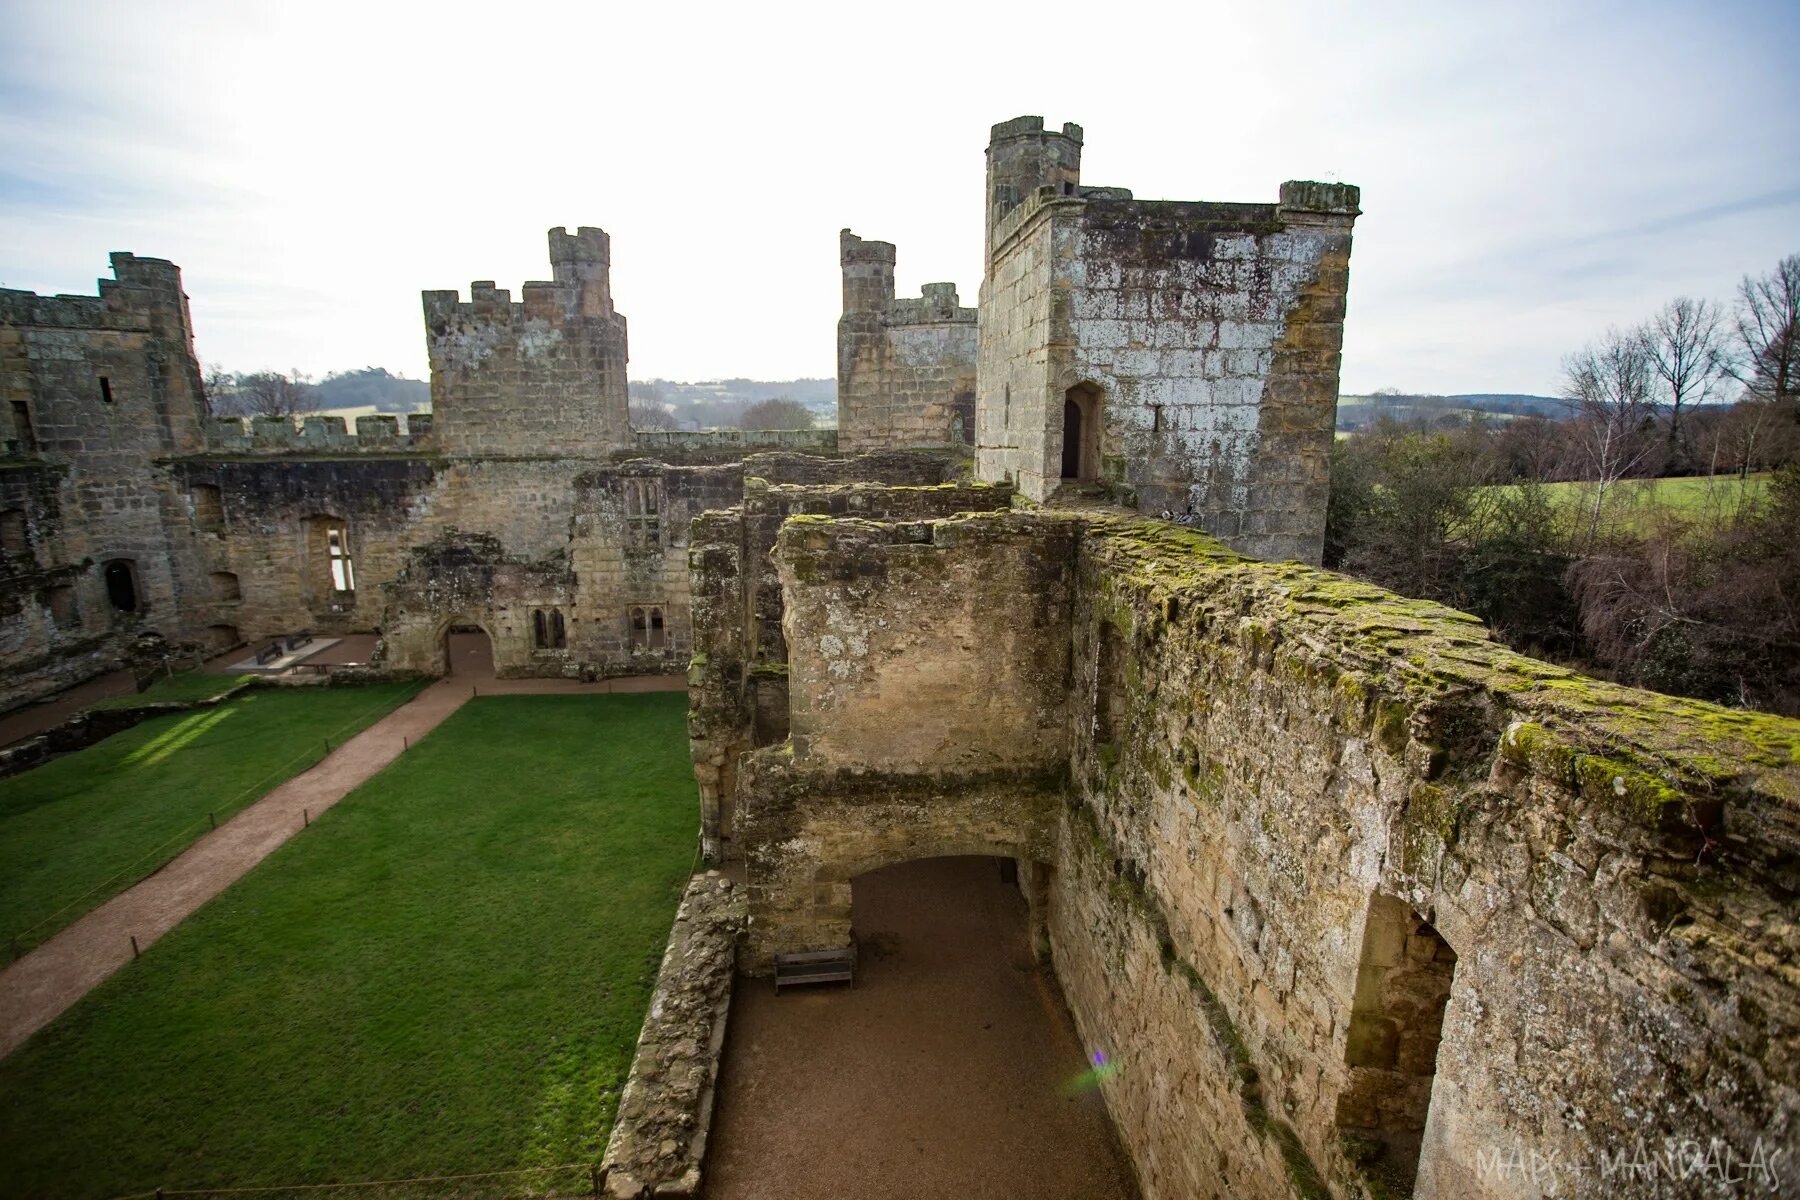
[(1274, 754), (738, 680), (93, 388), (542, 377), (1200, 343), (906, 367), (1340, 890)]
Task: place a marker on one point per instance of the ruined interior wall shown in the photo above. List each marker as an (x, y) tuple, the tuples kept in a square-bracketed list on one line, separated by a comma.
[(738, 679), (958, 625), (1262, 749), (1212, 334), (1259, 756)]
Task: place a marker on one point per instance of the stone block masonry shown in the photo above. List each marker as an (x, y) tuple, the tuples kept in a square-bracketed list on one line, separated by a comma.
[(1361, 903), (906, 368), (658, 1142), (541, 377), (1183, 356)]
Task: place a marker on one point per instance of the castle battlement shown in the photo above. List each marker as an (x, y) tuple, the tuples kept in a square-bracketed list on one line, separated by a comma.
[(312, 435)]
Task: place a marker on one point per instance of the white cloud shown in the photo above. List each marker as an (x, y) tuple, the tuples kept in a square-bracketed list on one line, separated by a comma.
[(1526, 171)]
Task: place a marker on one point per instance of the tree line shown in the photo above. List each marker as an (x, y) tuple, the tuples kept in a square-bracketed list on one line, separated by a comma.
[(1548, 529)]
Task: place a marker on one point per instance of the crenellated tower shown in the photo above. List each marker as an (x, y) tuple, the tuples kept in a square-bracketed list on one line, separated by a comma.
[(544, 375)]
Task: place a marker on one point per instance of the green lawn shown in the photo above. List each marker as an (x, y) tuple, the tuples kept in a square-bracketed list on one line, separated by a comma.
[(1688, 496), (188, 687), (84, 827), (445, 974)]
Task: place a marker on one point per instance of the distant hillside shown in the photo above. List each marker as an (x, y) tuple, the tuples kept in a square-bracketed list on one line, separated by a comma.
[(372, 387), (720, 402), (1359, 412)]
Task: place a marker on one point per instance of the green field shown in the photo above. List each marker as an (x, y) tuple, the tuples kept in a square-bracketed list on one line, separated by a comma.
[(82, 828), (1637, 505), (445, 974)]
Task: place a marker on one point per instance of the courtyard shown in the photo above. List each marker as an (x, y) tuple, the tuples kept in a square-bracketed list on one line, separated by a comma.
[(444, 974)]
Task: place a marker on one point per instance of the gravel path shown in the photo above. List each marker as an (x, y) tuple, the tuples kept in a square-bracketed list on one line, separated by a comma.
[(38, 987), (951, 1068)]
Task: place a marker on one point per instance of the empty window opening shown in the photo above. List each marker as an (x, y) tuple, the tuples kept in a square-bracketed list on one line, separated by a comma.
[(222, 637), (225, 587), (647, 629), (14, 535), (106, 396), (1081, 433), (343, 571), (643, 512), (208, 505), (62, 606), (962, 422), (121, 584), (24, 436), (547, 629), (1396, 1022), (1006, 405), (1156, 425)]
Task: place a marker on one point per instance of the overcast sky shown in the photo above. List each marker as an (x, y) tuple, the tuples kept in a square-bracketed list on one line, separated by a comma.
[(1530, 174)]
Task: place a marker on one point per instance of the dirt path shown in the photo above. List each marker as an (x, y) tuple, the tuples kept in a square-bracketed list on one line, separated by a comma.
[(38, 987), (951, 1068)]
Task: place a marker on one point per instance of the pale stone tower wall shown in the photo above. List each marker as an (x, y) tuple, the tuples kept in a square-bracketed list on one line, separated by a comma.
[(906, 367), (544, 376), (1200, 343)]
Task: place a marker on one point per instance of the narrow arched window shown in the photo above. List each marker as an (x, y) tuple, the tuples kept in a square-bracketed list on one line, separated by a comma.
[(559, 637), (540, 636)]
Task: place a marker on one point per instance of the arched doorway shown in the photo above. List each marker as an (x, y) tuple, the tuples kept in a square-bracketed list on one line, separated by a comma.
[(468, 650), (121, 584), (1081, 433)]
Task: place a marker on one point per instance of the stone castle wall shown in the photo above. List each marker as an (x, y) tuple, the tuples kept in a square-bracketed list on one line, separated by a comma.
[(906, 367), (1341, 888), (92, 390), (544, 377), (1200, 343)]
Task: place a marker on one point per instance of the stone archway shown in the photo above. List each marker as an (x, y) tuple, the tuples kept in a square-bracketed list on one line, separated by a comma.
[(466, 648)]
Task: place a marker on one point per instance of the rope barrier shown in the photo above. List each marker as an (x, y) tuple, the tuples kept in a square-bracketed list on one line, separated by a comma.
[(586, 1168), (185, 835)]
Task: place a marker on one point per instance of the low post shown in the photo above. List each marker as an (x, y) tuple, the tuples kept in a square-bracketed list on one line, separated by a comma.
[(135, 953), (305, 818), (212, 820)]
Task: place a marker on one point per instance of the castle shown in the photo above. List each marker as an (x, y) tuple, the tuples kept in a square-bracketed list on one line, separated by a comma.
[(1382, 900)]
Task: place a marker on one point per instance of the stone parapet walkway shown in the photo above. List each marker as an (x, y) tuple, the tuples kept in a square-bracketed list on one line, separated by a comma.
[(41, 985)]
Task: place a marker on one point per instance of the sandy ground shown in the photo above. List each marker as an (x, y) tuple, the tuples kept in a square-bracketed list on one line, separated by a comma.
[(951, 1068), (41, 985)]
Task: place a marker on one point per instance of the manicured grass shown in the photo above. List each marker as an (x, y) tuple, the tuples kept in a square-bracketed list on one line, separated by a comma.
[(445, 974), (79, 830), (189, 687)]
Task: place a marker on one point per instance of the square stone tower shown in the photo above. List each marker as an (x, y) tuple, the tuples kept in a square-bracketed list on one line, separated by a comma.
[(545, 376), (1181, 355)]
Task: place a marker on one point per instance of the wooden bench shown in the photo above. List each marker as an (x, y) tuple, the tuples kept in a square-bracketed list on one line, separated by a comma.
[(815, 966)]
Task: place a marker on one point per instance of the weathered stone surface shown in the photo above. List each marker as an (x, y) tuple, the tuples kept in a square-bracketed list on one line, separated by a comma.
[(1199, 343), (658, 1142), (1342, 889), (906, 368)]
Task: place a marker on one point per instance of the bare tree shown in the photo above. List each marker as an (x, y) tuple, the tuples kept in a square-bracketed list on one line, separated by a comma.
[(269, 394), (647, 415), (1685, 345), (1768, 334), (1608, 387)]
